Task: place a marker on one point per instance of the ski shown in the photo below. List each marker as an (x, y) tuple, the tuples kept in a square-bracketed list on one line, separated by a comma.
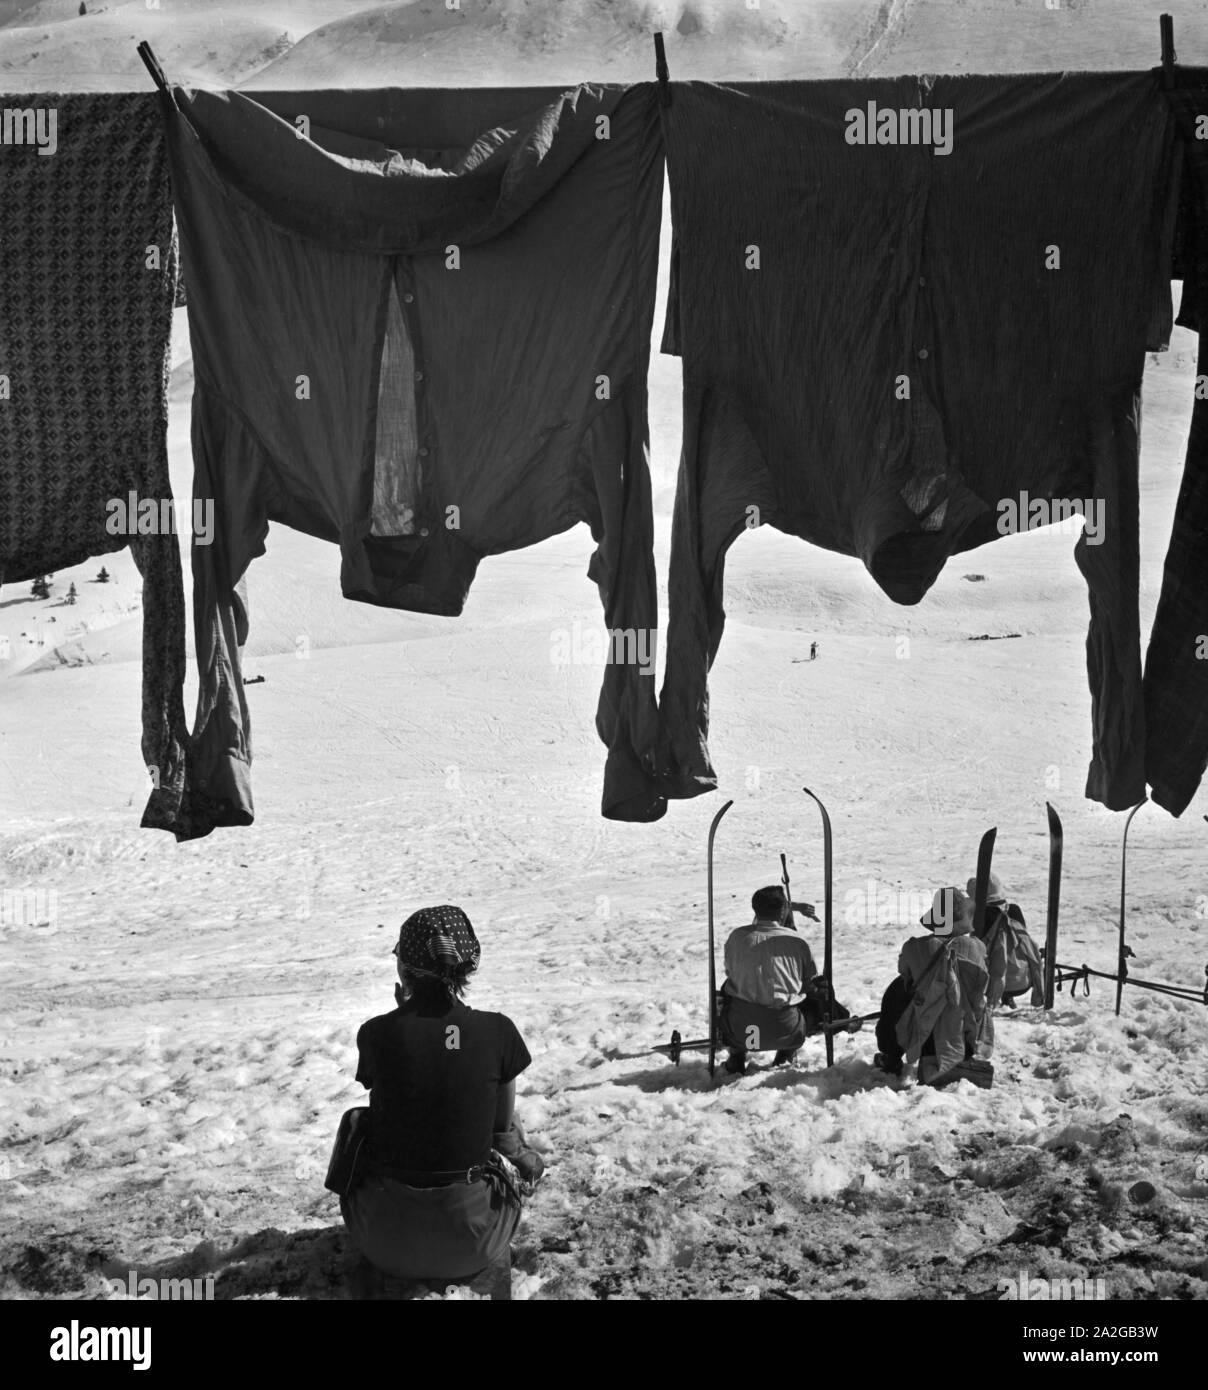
[(827, 927), (677, 1045), (1123, 952), (985, 854), (712, 1014), (1056, 844)]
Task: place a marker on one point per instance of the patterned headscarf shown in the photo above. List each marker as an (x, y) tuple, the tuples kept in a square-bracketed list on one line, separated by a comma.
[(435, 940)]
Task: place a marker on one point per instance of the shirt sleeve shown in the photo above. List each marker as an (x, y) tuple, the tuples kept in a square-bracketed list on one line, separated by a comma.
[(808, 969), (514, 1056), (364, 1062)]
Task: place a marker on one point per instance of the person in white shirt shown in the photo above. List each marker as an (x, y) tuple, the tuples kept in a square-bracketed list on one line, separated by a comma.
[(774, 994)]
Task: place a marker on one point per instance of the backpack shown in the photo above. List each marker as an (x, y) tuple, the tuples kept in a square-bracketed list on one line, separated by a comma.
[(1022, 961)]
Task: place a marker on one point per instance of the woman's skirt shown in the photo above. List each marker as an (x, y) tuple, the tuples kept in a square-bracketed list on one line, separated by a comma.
[(449, 1232)]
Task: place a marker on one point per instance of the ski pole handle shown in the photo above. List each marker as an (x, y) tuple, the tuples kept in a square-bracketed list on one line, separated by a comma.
[(784, 881)]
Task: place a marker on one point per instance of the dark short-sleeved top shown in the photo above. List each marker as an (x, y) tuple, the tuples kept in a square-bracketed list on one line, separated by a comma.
[(434, 1076)]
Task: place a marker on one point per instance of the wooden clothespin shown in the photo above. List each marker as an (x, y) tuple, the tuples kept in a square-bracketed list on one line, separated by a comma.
[(1166, 24), (661, 72), (151, 62)]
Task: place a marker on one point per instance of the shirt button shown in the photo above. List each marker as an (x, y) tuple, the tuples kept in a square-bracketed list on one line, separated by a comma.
[(423, 453), (419, 376), (408, 298), (922, 280), (423, 530), (923, 353)]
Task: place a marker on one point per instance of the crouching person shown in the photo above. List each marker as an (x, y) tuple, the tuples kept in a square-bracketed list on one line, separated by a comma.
[(445, 1162), (935, 1014), (773, 997)]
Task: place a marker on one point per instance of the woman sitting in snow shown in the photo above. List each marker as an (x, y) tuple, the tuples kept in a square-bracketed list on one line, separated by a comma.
[(446, 1162), (935, 1013), (1011, 955)]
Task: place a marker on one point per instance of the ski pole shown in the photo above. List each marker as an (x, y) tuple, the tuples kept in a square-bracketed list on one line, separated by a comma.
[(845, 1023), (1123, 951)]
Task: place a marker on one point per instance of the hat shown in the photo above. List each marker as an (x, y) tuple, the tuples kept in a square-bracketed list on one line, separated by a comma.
[(948, 905), (435, 940), (994, 892)]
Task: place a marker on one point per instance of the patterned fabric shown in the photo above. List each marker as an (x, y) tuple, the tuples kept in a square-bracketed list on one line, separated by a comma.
[(87, 285), (435, 940)]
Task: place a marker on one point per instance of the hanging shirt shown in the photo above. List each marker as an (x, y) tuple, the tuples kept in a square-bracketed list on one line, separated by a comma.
[(1176, 660), (87, 284), (420, 326), (768, 964), (908, 309)]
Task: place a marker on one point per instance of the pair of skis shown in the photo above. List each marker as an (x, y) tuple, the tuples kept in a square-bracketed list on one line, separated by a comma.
[(1124, 952), (985, 855), (827, 927)]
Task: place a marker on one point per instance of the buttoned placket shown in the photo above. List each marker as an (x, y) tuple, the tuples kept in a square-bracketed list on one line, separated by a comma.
[(924, 414), (404, 282)]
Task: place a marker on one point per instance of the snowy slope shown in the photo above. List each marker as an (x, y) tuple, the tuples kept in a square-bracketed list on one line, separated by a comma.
[(181, 1017)]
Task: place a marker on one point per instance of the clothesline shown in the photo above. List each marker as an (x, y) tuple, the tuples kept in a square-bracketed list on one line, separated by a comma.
[(347, 416)]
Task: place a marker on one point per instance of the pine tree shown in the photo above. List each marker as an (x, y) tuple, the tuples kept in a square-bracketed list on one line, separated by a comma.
[(71, 594), (40, 588), (103, 577)]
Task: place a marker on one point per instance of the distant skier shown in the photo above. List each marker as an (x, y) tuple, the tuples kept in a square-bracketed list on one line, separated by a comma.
[(1011, 955), (935, 1013), (774, 996), (434, 1200), (813, 651)]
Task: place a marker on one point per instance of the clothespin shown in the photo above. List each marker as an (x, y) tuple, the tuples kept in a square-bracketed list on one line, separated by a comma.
[(151, 62), (1166, 25), (661, 72)]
